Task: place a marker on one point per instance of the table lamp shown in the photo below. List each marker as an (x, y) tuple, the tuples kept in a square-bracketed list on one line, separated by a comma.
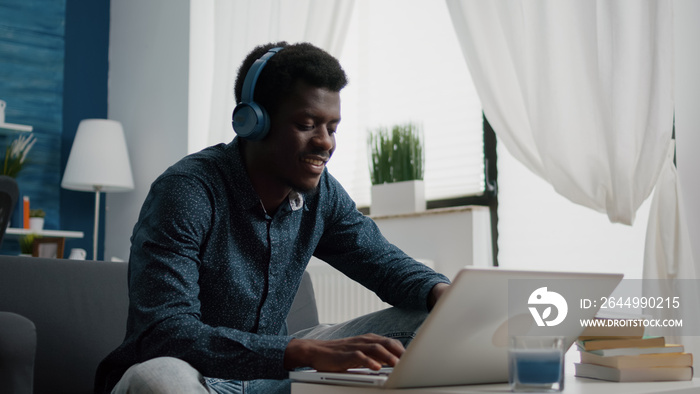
[(98, 162)]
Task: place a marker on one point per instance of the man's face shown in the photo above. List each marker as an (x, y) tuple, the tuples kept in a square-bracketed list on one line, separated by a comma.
[(302, 137)]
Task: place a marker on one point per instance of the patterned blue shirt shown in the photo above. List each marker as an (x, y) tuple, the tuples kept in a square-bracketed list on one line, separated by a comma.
[(212, 276)]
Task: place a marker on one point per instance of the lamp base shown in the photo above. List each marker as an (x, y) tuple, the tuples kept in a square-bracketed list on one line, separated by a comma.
[(95, 234)]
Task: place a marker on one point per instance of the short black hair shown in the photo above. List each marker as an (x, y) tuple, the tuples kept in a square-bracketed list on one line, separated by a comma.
[(295, 62)]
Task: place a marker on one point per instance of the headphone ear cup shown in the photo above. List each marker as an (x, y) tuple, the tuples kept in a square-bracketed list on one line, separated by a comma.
[(250, 121)]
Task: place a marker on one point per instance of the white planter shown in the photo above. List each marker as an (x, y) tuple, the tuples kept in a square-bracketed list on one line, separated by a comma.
[(36, 224), (398, 198)]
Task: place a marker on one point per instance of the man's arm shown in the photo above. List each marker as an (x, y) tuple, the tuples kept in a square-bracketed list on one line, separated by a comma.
[(435, 293), (353, 244), (366, 351)]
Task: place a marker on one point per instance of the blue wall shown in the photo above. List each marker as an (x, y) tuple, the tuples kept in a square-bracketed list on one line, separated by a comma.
[(84, 96), (31, 82), (53, 73)]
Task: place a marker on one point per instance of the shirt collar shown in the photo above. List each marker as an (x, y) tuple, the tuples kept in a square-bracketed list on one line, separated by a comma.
[(296, 200)]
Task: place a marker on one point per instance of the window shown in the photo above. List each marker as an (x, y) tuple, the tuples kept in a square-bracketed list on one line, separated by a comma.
[(404, 64)]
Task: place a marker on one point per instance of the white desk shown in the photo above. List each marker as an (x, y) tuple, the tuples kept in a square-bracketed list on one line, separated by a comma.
[(572, 385)]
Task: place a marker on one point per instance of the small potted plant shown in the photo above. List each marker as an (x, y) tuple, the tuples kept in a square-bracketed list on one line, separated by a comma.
[(16, 154), (396, 169), (26, 244), (36, 219)]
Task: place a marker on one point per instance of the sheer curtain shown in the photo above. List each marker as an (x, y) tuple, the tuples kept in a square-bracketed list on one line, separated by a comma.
[(581, 92), (240, 25)]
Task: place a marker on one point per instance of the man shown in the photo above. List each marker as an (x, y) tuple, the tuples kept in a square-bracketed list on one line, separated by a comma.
[(225, 234)]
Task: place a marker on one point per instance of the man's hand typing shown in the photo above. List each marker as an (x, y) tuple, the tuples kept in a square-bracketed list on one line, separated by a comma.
[(365, 351)]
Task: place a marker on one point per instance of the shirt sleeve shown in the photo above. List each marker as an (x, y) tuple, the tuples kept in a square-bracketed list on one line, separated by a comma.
[(353, 244), (164, 287)]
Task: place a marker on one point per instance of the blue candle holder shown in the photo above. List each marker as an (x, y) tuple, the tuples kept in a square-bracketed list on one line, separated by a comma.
[(536, 364)]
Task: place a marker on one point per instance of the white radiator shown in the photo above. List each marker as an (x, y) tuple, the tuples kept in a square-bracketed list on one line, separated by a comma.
[(339, 298)]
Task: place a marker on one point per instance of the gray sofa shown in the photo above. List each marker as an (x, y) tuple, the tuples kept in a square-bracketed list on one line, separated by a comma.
[(60, 318)]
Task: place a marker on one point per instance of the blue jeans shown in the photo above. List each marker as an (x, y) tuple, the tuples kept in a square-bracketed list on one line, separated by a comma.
[(175, 374)]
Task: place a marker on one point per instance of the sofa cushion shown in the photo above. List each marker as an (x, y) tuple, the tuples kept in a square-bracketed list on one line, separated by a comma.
[(79, 309)]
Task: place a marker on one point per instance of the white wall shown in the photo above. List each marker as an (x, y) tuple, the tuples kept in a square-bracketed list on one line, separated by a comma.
[(201, 72), (148, 93)]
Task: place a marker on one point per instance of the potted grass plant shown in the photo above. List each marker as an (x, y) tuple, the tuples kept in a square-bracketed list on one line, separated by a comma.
[(26, 244), (16, 154), (396, 169), (36, 219)]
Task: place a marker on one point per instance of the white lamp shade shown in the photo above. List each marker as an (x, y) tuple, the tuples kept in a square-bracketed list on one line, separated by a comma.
[(98, 159)]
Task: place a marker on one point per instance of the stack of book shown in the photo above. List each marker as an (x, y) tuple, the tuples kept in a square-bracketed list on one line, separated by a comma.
[(623, 354)]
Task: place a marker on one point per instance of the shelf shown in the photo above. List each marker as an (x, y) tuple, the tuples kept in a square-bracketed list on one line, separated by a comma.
[(11, 128), (17, 232)]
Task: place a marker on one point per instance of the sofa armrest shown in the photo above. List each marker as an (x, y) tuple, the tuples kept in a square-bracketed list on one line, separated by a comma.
[(17, 352), (304, 313)]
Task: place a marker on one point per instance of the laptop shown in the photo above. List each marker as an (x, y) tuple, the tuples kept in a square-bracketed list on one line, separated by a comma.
[(464, 340)]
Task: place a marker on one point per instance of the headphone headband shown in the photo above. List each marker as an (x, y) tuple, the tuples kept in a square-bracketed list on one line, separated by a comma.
[(253, 74)]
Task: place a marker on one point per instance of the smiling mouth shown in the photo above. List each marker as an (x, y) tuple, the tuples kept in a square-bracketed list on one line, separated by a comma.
[(315, 162)]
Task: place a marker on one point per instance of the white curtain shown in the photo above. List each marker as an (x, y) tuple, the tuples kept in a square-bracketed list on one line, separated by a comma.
[(668, 256), (240, 25), (581, 92)]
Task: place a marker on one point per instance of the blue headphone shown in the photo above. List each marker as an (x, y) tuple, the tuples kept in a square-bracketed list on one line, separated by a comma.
[(250, 120)]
